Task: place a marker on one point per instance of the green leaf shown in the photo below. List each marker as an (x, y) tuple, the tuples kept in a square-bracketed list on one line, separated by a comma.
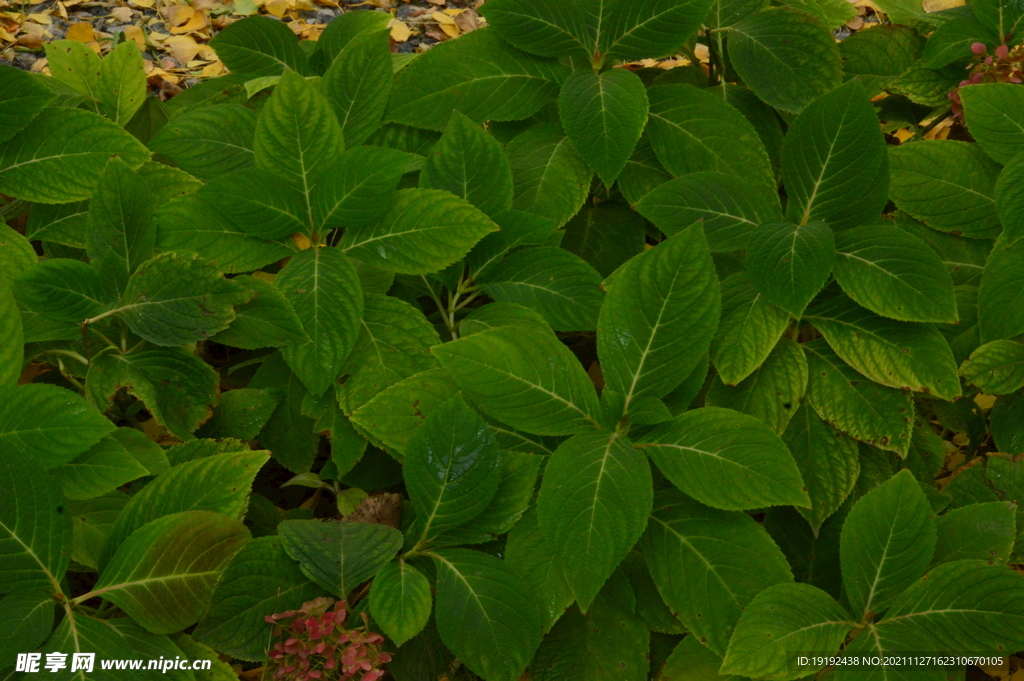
[(147, 578), (289, 432), (876, 59), (338, 34), (35, 526), (218, 483), (561, 286), (948, 185), (452, 468), (482, 77), (693, 661), (999, 314), (470, 163), (518, 228), (604, 115), (772, 393), (894, 274), (749, 329), (16, 251), (93, 519), (1010, 199), (210, 141), (525, 377), (323, 287), (121, 88), (394, 343), (992, 112), (659, 318), (76, 66), (962, 605), (29, 622), (807, 255), (609, 642), (259, 580), (834, 162), (726, 459), (786, 57), (709, 564), (422, 231), (650, 27), (268, 320), (549, 177), (22, 98), (1003, 17), (120, 222), (482, 616), (794, 617), (173, 300), (12, 338), (606, 236), (976, 531), (400, 601), (731, 213), (62, 289), (529, 554), (353, 189), (887, 544), (592, 506), (907, 12), (866, 411), (830, 13), (296, 133), (997, 368), (256, 202), (546, 29), (241, 414), (99, 470), (47, 424), (493, 315), (357, 85), (904, 355), (829, 464), (60, 155), (259, 46), (642, 173), (692, 131), (337, 555)]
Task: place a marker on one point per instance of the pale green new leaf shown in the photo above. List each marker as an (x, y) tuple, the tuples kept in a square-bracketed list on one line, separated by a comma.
[(780, 620), (75, 65), (894, 274), (593, 505), (338, 555), (603, 115), (726, 459), (749, 329), (560, 285), (148, 579), (997, 368), (659, 318), (482, 614), (863, 409), (786, 57), (35, 526), (525, 377), (887, 543), (709, 564), (470, 163), (400, 601), (834, 162), (789, 264), (452, 468), (947, 184), (323, 287), (904, 355), (60, 155), (422, 231), (260, 580)]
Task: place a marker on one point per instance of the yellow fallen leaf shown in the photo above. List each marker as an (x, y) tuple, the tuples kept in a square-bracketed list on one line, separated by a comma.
[(143, 3), (179, 14), (442, 18), (903, 135), (183, 47), (302, 241), (451, 30), (81, 31), (399, 31), (939, 5), (206, 52), (122, 14), (62, 9), (214, 69), (6, 37), (40, 19), (158, 37), (134, 33), (277, 7), (701, 52), (984, 401), (454, 12), (196, 23)]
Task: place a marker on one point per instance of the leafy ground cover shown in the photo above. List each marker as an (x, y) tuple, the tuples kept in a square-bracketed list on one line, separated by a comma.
[(662, 339)]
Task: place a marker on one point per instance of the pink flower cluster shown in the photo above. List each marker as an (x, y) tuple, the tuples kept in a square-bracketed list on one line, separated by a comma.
[(1005, 65), (317, 645)]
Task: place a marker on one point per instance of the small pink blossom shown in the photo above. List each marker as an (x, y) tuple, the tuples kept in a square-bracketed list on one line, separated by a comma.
[(978, 48)]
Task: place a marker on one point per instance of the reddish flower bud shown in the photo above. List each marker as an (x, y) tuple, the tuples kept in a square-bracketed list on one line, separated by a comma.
[(978, 48)]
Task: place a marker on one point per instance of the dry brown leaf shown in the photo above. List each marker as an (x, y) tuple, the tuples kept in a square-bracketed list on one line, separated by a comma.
[(468, 21), (81, 31)]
